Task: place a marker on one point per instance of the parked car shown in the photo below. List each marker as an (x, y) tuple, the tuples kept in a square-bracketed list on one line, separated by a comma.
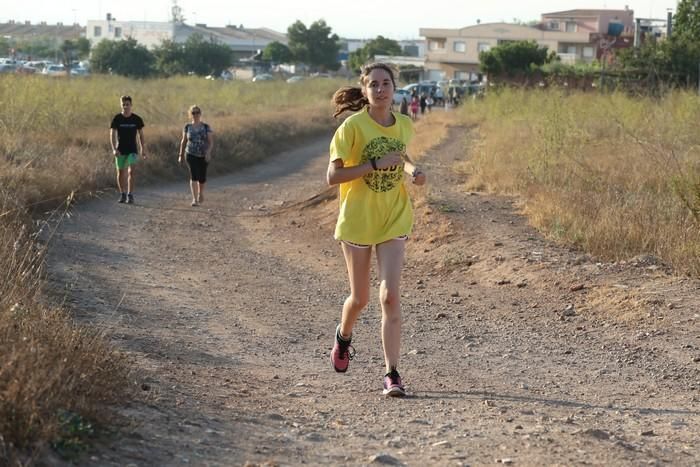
[(79, 71), (399, 94), (7, 68), (27, 70), (54, 70), (38, 64), (426, 87), (263, 77), (294, 79)]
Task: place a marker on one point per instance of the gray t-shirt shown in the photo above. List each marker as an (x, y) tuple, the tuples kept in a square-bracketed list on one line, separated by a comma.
[(197, 141)]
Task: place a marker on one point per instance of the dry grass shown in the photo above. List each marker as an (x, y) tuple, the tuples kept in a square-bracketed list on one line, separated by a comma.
[(54, 375), (58, 379), (615, 175), (430, 130)]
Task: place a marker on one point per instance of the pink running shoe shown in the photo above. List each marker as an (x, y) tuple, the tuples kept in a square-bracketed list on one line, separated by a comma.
[(342, 352), (392, 385)]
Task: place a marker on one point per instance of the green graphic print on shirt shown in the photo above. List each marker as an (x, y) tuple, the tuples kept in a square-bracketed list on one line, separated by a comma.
[(383, 180)]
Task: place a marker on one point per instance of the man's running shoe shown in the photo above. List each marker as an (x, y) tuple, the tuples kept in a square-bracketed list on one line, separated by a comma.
[(129, 199), (122, 198), (342, 352), (392, 385)]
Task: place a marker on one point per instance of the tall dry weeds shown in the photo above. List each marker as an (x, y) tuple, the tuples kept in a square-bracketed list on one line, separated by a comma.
[(616, 175), (49, 366)]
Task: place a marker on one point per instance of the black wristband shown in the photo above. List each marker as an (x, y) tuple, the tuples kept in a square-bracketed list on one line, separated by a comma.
[(374, 164)]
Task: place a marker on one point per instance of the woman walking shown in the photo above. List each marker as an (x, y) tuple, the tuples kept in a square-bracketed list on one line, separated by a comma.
[(368, 161), (197, 142)]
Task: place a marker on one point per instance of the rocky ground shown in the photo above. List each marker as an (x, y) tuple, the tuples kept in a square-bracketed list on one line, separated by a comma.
[(515, 351)]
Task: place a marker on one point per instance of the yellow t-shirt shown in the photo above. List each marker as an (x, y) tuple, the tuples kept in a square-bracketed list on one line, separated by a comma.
[(374, 208)]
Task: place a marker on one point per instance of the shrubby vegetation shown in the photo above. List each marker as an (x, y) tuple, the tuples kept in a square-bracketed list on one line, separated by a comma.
[(126, 57), (618, 176), (673, 62), (513, 57)]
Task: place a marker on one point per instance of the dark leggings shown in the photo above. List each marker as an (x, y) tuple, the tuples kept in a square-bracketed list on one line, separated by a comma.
[(198, 168)]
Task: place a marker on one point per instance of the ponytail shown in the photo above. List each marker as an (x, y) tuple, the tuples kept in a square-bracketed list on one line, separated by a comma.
[(348, 98)]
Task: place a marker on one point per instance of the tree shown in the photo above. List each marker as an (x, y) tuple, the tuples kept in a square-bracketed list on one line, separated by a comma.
[(513, 57), (74, 49), (315, 46), (125, 57), (196, 55), (378, 46), (4, 47), (276, 52), (686, 22), (39, 47), (204, 57), (170, 58), (673, 61)]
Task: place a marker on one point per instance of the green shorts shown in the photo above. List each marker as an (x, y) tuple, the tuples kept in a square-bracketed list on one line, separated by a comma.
[(124, 161)]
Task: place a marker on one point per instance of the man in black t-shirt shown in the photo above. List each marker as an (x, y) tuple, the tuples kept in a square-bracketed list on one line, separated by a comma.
[(126, 137)]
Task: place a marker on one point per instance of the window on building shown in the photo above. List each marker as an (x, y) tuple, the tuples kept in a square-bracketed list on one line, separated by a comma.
[(437, 44), (588, 52), (570, 26), (463, 75), (117, 32), (97, 31), (483, 47), (460, 46), (571, 49), (554, 25)]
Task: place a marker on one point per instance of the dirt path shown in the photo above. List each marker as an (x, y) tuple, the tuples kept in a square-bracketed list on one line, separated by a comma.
[(515, 350)]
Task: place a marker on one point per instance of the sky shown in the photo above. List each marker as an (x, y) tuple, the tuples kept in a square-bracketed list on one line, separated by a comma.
[(349, 19)]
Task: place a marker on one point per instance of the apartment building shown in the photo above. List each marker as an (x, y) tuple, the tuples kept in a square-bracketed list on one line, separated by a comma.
[(598, 24), (575, 35)]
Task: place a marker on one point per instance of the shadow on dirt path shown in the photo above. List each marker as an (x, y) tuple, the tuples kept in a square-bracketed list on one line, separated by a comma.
[(515, 350)]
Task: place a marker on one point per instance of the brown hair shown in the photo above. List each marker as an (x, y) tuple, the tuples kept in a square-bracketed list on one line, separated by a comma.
[(125, 99), (351, 97)]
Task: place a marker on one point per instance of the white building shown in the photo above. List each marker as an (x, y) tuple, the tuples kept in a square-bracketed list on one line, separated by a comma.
[(244, 41)]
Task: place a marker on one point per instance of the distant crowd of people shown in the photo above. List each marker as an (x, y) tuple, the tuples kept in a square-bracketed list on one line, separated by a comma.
[(424, 102)]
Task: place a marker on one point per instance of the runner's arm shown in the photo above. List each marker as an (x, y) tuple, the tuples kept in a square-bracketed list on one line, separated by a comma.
[(416, 174), (338, 173)]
